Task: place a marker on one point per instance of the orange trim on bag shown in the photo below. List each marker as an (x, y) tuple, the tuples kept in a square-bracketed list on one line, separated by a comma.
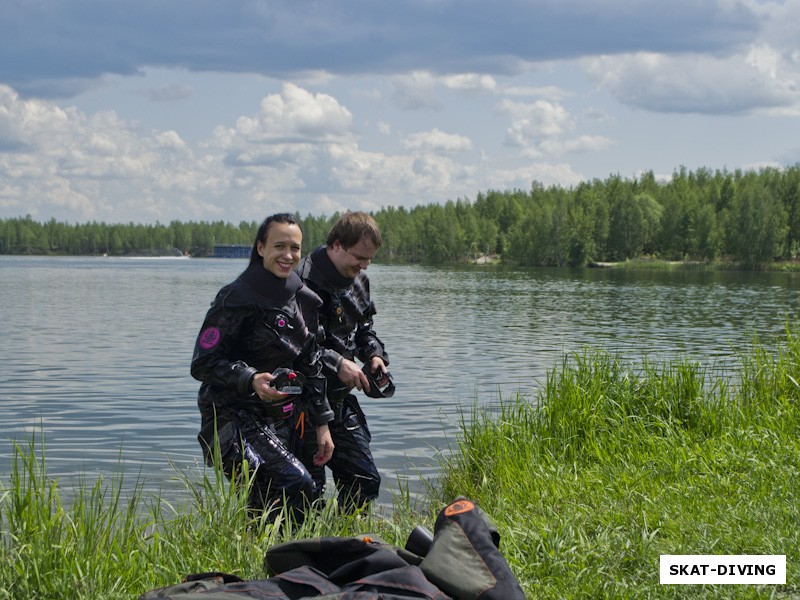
[(301, 424), (458, 507)]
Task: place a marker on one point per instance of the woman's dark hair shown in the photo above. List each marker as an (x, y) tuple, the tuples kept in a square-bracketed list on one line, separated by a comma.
[(261, 236)]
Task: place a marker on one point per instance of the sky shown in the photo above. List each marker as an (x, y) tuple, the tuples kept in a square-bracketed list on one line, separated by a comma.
[(150, 111)]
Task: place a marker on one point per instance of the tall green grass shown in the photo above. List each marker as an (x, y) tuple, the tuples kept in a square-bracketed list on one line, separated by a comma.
[(115, 541), (610, 467)]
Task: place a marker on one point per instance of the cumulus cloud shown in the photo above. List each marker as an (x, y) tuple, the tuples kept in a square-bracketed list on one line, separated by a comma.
[(84, 167), (543, 172), (295, 152), (760, 78), (533, 121), (437, 142), (293, 116), (580, 144), (470, 82), (286, 146)]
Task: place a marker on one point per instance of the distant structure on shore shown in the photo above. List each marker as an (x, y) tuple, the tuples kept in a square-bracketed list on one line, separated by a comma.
[(231, 251)]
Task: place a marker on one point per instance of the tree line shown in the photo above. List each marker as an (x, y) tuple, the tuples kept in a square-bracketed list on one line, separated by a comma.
[(746, 217)]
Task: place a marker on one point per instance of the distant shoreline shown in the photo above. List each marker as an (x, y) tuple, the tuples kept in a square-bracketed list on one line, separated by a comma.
[(489, 260)]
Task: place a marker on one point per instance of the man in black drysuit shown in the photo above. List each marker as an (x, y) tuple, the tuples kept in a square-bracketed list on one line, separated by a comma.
[(335, 272)]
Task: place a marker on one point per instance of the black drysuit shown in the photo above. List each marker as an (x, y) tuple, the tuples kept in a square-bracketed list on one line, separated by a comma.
[(256, 324), (346, 318)]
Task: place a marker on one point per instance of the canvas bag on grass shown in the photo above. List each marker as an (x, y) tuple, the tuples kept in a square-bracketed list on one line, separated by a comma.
[(463, 562), (465, 559), (330, 568)]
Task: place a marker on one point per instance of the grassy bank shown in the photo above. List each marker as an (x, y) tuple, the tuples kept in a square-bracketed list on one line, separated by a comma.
[(614, 468), (113, 540)]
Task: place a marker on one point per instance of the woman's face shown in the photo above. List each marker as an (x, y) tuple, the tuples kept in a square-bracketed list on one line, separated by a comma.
[(281, 250)]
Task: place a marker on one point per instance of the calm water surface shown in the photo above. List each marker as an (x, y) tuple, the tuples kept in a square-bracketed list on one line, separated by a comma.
[(96, 351)]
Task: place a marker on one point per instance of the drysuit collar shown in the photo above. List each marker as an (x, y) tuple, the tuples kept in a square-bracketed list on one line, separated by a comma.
[(325, 265), (266, 284)]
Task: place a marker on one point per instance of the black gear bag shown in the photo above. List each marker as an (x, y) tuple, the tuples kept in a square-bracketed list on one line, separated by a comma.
[(463, 562)]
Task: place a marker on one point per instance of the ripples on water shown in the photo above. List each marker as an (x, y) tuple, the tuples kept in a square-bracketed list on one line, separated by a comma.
[(97, 351)]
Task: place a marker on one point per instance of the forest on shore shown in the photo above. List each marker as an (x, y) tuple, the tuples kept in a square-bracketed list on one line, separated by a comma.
[(748, 218)]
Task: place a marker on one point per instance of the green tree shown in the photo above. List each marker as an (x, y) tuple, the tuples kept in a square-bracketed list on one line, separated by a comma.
[(583, 214), (635, 222), (758, 225)]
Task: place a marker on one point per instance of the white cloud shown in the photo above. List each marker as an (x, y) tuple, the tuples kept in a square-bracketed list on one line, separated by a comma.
[(437, 142), (170, 139), (580, 144), (470, 82), (293, 116), (546, 173), (533, 121), (761, 78), (86, 167), (297, 151)]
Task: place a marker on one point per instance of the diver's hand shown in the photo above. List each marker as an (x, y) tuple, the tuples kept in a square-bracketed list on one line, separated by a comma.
[(351, 375), (379, 371), (324, 445), (264, 391)]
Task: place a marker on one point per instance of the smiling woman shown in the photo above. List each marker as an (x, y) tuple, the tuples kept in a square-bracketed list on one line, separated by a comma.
[(263, 322), (279, 247)]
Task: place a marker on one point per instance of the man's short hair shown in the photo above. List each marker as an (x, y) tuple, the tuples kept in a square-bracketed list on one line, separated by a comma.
[(351, 228)]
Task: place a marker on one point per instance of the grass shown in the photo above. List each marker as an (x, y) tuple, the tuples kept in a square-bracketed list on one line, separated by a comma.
[(106, 544), (608, 468)]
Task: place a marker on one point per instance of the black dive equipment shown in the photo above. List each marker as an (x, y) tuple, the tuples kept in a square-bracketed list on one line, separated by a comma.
[(419, 541), (289, 382), (382, 387)]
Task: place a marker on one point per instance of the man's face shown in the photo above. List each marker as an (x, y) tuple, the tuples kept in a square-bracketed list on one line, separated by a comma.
[(351, 261)]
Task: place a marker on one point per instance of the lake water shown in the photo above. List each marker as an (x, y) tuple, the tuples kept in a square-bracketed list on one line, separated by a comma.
[(95, 352)]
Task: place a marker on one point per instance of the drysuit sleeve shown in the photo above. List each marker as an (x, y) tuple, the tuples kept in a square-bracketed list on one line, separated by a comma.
[(310, 362), (331, 360), (368, 344), (215, 345), (315, 401)]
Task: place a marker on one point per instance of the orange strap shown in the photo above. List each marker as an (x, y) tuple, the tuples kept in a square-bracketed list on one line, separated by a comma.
[(301, 424)]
